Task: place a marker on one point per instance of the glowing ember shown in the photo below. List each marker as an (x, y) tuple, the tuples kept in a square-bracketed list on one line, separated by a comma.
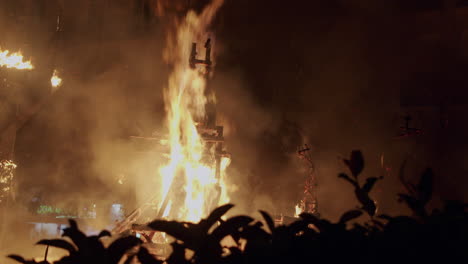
[(14, 60), (188, 171), (55, 80)]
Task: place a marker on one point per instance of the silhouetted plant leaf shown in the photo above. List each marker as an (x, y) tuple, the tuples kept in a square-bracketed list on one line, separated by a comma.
[(310, 217), (215, 216), (378, 224), (18, 258), (425, 186), (347, 178), (146, 258), (255, 232), (321, 225), (78, 237), (175, 229), (413, 203), (231, 226), (359, 229), (386, 217), (401, 174), (268, 220), (58, 243), (178, 254), (350, 215), (72, 224), (104, 233), (370, 182), (120, 246), (298, 226), (356, 163), (130, 259), (368, 204), (455, 210)]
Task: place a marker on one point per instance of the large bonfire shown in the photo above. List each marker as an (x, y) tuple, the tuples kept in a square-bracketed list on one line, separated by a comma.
[(188, 174)]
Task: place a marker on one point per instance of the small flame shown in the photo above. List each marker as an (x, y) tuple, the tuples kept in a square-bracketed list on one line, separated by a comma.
[(55, 80), (14, 61), (298, 210)]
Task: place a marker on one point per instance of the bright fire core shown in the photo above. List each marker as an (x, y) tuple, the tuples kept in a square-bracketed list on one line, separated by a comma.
[(14, 60), (189, 179)]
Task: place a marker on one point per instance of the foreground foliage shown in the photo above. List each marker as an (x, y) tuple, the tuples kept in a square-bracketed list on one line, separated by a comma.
[(439, 235)]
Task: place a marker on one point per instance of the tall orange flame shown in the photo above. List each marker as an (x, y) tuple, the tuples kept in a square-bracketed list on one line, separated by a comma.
[(187, 171)]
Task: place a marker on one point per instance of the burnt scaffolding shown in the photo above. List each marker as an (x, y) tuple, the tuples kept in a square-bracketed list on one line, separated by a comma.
[(308, 203)]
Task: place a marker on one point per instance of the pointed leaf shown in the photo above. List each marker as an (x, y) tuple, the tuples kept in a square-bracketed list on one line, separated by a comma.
[(175, 229), (369, 184), (413, 203), (356, 163), (347, 178), (104, 233), (130, 259), (378, 224), (253, 233), (298, 226), (401, 176), (58, 243), (120, 246), (425, 186), (215, 216), (78, 237), (321, 225), (269, 221), (231, 226), (178, 254), (368, 204), (73, 224), (18, 258), (350, 215), (385, 216), (146, 258), (309, 217)]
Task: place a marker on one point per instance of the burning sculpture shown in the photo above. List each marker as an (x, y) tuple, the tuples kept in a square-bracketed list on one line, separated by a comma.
[(193, 179), (197, 156)]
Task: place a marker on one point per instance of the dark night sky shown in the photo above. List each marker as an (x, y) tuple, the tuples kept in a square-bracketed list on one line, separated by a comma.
[(328, 73)]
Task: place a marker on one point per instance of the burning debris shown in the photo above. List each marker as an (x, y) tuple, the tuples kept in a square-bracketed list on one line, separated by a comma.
[(7, 167), (55, 81), (193, 178)]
